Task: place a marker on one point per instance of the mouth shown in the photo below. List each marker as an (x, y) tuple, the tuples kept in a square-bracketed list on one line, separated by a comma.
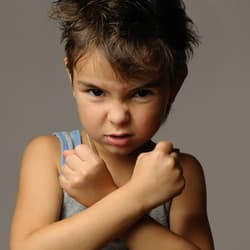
[(119, 140)]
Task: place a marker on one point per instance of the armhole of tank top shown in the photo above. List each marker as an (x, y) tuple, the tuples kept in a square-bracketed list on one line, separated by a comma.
[(65, 143)]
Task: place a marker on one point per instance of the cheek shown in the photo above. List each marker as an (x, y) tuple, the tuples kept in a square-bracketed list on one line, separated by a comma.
[(152, 117), (157, 112), (88, 114)]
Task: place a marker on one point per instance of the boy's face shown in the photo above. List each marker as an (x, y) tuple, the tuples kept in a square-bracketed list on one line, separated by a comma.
[(119, 116)]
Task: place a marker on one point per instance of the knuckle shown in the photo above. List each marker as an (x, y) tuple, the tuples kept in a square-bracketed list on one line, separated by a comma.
[(98, 161), (69, 158), (171, 161), (79, 148), (179, 177), (141, 156), (65, 170), (76, 180), (181, 186), (174, 155), (79, 178)]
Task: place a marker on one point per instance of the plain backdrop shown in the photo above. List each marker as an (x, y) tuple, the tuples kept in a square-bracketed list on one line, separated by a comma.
[(210, 117)]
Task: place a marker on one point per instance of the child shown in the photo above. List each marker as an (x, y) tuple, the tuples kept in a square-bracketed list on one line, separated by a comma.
[(110, 186)]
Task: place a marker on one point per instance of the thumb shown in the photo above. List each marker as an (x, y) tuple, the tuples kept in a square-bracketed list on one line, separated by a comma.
[(92, 145), (165, 146)]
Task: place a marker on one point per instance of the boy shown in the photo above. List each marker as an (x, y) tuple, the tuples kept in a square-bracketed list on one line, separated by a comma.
[(114, 188)]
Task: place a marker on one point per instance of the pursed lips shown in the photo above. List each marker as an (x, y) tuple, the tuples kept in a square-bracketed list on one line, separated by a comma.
[(119, 135), (121, 139)]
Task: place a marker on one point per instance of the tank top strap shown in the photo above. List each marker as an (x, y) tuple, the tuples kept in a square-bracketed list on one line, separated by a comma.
[(76, 137), (68, 140)]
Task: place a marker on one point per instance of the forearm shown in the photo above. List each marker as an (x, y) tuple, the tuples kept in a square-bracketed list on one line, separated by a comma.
[(89, 229), (147, 234)]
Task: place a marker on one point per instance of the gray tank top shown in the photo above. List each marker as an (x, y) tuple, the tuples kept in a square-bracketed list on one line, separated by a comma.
[(69, 140)]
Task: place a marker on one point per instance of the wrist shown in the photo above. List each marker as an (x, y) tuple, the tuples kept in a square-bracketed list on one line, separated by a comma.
[(140, 195)]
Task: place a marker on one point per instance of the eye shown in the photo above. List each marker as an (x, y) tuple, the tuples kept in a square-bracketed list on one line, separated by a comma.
[(95, 92), (143, 93)]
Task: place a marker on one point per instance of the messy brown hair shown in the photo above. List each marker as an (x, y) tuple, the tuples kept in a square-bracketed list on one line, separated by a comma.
[(139, 38)]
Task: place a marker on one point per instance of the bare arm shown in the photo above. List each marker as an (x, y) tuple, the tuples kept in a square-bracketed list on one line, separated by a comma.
[(35, 222), (189, 226), (147, 233), (188, 214)]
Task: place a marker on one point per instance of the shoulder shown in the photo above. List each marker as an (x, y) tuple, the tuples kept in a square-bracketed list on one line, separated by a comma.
[(44, 147), (192, 201), (49, 142), (192, 168), (39, 194), (188, 211)]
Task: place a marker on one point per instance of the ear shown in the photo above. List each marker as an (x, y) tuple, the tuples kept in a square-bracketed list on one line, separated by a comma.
[(67, 68), (68, 73), (179, 79)]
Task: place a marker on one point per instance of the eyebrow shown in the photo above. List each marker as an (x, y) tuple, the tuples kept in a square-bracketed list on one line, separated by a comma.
[(87, 84), (151, 84)]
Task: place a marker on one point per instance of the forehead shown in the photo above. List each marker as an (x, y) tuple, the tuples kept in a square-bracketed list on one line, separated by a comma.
[(94, 64), (94, 67)]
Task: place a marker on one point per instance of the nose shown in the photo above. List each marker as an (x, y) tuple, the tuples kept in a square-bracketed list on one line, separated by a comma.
[(118, 114)]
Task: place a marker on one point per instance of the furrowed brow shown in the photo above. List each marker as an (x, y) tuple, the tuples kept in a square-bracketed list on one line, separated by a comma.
[(87, 84), (152, 84)]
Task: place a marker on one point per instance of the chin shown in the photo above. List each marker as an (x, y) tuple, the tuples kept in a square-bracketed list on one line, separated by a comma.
[(128, 150), (120, 151)]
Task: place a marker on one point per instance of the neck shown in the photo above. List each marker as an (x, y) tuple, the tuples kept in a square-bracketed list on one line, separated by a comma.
[(120, 166), (126, 158)]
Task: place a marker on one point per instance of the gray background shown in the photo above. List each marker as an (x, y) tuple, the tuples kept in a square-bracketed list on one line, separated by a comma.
[(209, 119)]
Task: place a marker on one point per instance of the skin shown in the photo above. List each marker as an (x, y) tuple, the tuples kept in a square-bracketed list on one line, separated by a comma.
[(121, 182)]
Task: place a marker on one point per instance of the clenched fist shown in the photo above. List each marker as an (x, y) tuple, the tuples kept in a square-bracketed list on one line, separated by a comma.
[(84, 176), (157, 176)]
